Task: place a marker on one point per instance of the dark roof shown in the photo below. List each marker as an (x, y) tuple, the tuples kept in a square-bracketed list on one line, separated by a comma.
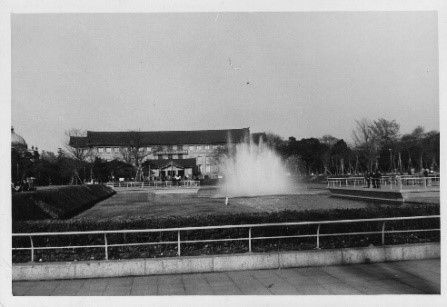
[(141, 139), (182, 163), (78, 141)]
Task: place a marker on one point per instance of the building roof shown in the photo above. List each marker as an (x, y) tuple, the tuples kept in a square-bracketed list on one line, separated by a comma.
[(150, 138), (78, 141), (17, 141)]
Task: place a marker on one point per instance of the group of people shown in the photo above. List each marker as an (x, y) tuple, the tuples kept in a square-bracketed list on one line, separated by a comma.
[(373, 179), (24, 185)]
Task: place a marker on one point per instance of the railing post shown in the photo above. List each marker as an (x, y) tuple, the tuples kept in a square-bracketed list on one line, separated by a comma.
[(383, 233), (105, 247), (399, 181), (425, 183), (178, 243), (318, 236), (32, 248), (249, 240)]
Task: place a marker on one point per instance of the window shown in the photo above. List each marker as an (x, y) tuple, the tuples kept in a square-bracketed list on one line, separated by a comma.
[(207, 146), (208, 169), (180, 156), (192, 147), (100, 149), (201, 159), (174, 147), (174, 156), (199, 147), (149, 149), (170, 157), (108, 149), (180, 147)]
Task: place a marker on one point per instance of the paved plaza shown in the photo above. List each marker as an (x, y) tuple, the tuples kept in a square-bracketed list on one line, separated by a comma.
[(404, 277)]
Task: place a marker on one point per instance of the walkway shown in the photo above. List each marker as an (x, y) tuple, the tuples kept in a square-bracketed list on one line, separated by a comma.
[(410, 277)]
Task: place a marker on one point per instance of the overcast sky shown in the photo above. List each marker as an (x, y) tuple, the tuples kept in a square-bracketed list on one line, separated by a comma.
[(294, 74)]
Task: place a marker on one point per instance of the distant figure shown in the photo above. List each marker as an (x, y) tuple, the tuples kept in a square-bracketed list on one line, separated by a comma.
[(426, 172), (178, 179), (377, 177), (372, 182), (367, 179)]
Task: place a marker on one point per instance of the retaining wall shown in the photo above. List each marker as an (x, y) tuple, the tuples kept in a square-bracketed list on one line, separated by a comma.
[(217, 263)]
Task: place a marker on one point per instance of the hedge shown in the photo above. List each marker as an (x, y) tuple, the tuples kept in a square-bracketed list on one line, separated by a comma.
[(223, 247), (222, 219), (58, 202)]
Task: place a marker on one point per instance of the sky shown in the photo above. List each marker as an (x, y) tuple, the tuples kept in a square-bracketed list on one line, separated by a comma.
[(293, 74)]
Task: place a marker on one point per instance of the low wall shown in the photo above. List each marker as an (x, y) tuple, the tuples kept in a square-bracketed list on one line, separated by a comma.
[(368, 194), (217, 263)]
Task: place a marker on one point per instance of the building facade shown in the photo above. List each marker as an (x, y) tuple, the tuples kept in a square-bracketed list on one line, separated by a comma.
[(166, 153)]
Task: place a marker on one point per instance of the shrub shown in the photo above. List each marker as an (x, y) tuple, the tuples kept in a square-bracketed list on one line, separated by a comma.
[(57, 202)]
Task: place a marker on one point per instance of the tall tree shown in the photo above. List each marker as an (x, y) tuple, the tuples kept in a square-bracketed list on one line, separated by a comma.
[(76, 150), (385, 132), (133, 152), (81, 154), (365, 143)]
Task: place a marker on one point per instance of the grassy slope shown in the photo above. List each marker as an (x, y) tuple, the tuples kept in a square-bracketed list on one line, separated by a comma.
[(58, 202)]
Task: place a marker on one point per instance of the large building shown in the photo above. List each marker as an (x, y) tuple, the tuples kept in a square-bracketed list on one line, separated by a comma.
[(166, 153)]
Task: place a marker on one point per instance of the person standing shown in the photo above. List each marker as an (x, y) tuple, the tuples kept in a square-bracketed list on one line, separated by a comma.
[(367, 179), (378, 176)]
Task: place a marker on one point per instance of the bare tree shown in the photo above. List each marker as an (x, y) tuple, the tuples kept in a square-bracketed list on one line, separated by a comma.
[(385, 131), (79, 151), (366, 142), (328, 140), (75, 148), (134, 152)]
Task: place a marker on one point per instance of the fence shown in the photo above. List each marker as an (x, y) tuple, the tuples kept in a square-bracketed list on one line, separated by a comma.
[(246, 227), (156, 184), (387, 182)]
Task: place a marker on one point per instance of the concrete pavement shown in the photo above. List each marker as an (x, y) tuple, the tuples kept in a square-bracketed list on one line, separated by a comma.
[(404, 277)]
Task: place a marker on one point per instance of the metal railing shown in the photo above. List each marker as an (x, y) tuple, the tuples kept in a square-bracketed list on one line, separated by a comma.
[(386, 182), (156, 184), (248, 227)]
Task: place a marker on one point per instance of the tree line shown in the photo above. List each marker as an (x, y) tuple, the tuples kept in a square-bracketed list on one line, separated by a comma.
[(375, 144)]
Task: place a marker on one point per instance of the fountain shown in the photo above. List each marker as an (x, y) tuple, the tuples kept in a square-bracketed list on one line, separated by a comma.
[(254, 170)]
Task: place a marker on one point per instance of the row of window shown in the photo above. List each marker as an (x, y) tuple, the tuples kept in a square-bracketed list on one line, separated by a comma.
[(200, 159), (165, 148), (170, 157)]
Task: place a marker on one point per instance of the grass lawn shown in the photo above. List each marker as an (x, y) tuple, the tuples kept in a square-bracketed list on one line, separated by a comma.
[(128, 204)]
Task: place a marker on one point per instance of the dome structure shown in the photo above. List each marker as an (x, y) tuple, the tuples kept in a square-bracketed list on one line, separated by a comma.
[(17, 141)]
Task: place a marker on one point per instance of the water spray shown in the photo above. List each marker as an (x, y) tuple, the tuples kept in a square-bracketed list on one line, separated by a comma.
[(254, 169)]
